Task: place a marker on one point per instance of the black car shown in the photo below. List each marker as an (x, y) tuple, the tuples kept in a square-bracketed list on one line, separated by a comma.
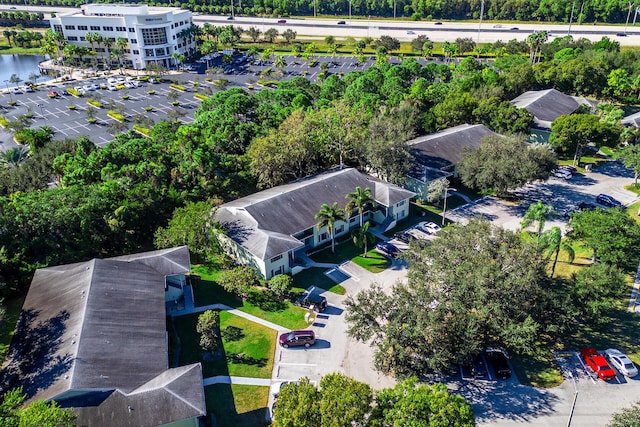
[(387, 248), (308, 299), (608, 201), (403, 237), (584, 206), (341, 23), (499, 363)]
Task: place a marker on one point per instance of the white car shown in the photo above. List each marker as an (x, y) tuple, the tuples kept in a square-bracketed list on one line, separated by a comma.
[(562, 173), (621, 362), (429, 227)]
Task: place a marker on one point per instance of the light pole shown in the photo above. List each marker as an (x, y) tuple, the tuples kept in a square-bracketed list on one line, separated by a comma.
[(628, 15), (394, 9), (444, 209), (349, 10), (6, 83), (42, 112), (571, 17), (480, 23)]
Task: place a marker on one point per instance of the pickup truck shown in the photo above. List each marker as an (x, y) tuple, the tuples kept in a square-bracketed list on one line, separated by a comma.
[(598, 364)]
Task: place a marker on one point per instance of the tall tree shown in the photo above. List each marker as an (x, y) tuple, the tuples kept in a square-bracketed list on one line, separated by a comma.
[(208, 327), (630, 156), (502, 163), (36, 414), (359, 200), (362, 237), (537, 213), (552, 241), (571, 133), (455, 303), (327, 217)]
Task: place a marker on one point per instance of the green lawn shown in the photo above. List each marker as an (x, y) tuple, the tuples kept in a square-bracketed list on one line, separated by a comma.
[(256, 343), (375, 262), (315, 277), (237, 405), (345, 250), (8, 325)]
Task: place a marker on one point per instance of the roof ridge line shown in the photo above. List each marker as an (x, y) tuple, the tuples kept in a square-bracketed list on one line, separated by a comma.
[(84, 312)]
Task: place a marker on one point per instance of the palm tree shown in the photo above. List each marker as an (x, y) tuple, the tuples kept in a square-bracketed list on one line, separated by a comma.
[(14, 156), (7, 34), (93, 38), (328, 216), (280, 62), (552, 241), (359, 199), (362, 237), (537, 212)]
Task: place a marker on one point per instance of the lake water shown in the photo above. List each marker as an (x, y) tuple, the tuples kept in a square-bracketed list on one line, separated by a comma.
[(22, 65)]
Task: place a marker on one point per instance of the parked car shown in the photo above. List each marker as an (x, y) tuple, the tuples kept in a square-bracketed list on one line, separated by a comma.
[(297, 339), (403, 237), (308, 299), (341, 23), (53, 94), (563, 174), (584, 206), (621, 362), (387, 248), (17, 90), (608, 201), (28, 89), (499, 362), (568, 168), (477, 368), (429, 227), (597, 364)]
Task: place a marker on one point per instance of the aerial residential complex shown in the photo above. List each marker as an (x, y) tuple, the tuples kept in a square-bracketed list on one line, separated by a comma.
[(154, 34)]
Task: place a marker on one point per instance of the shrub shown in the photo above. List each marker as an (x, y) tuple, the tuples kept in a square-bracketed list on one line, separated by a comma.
[(143, 130), (148, 108), (117, 116), (151, 92), (92, 120), (201, 96), (95, 103), (125, 96), (73, 92), (71, 107), (3, 122), (178, 87), (143, 78), (12, 103), (175, 103)]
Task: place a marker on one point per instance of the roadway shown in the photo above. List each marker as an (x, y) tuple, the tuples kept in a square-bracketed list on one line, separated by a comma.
[(403, 30)]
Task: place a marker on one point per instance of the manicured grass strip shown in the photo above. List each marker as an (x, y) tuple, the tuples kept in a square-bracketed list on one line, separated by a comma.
[(178, 87), (540, 370), (206, 291), (237, 405), (375, 262), (73, 92), (249, 356), (144, 131), (200, 96), (95, 103), (8, 325), (315, 277), (345, 249)]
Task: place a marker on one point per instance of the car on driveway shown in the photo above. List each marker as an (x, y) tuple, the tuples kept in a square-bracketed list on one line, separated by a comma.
[(597, 364), (499, 362), (568, 168), (308, 299), (621, 362), (608, 201), (477, 368), (429, 227), (562, 173), (297, 339), (387, 248)]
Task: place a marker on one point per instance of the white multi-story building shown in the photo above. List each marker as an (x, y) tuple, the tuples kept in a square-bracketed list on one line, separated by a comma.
[(154, 34)]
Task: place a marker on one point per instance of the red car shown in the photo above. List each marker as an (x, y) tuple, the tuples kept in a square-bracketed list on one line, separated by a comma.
[(597, 363)]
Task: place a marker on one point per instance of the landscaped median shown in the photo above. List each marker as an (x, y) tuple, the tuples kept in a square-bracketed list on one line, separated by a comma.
[(117, 116)]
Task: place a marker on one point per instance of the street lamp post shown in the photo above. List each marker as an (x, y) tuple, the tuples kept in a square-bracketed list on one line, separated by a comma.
[(480, 23), (6, 83), (628, 15), (444, 210), (349, 10), (42, 113), (571, 17)]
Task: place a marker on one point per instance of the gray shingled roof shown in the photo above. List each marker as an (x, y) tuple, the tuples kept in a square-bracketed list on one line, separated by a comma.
[(443, 149), (633, 120), (169, 397), (95, 325), (264, 222), (548, 105)]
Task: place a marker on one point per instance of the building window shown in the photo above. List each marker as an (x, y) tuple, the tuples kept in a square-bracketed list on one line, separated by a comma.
[(69, 27), (95, 28), (82, 27), (121, 28), (340, 229), (82, 38), (148, 52), (132, 30), (133, 41), (159, 52), (113, 39), (154, 36), (107, 28), (72, 38), (57, 28), (401, 203), (324, 236), (353, 219), (276, 258), (136, 52)]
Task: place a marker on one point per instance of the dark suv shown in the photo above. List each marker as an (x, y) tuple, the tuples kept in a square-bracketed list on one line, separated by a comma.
[(308, 299), (498, 359), (297, 338), (608, 201)]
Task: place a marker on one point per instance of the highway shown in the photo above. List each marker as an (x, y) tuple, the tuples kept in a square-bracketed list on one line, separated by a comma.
[(404, 30)]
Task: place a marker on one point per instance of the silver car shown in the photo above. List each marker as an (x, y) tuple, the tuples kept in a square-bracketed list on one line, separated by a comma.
[(621, 362)]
